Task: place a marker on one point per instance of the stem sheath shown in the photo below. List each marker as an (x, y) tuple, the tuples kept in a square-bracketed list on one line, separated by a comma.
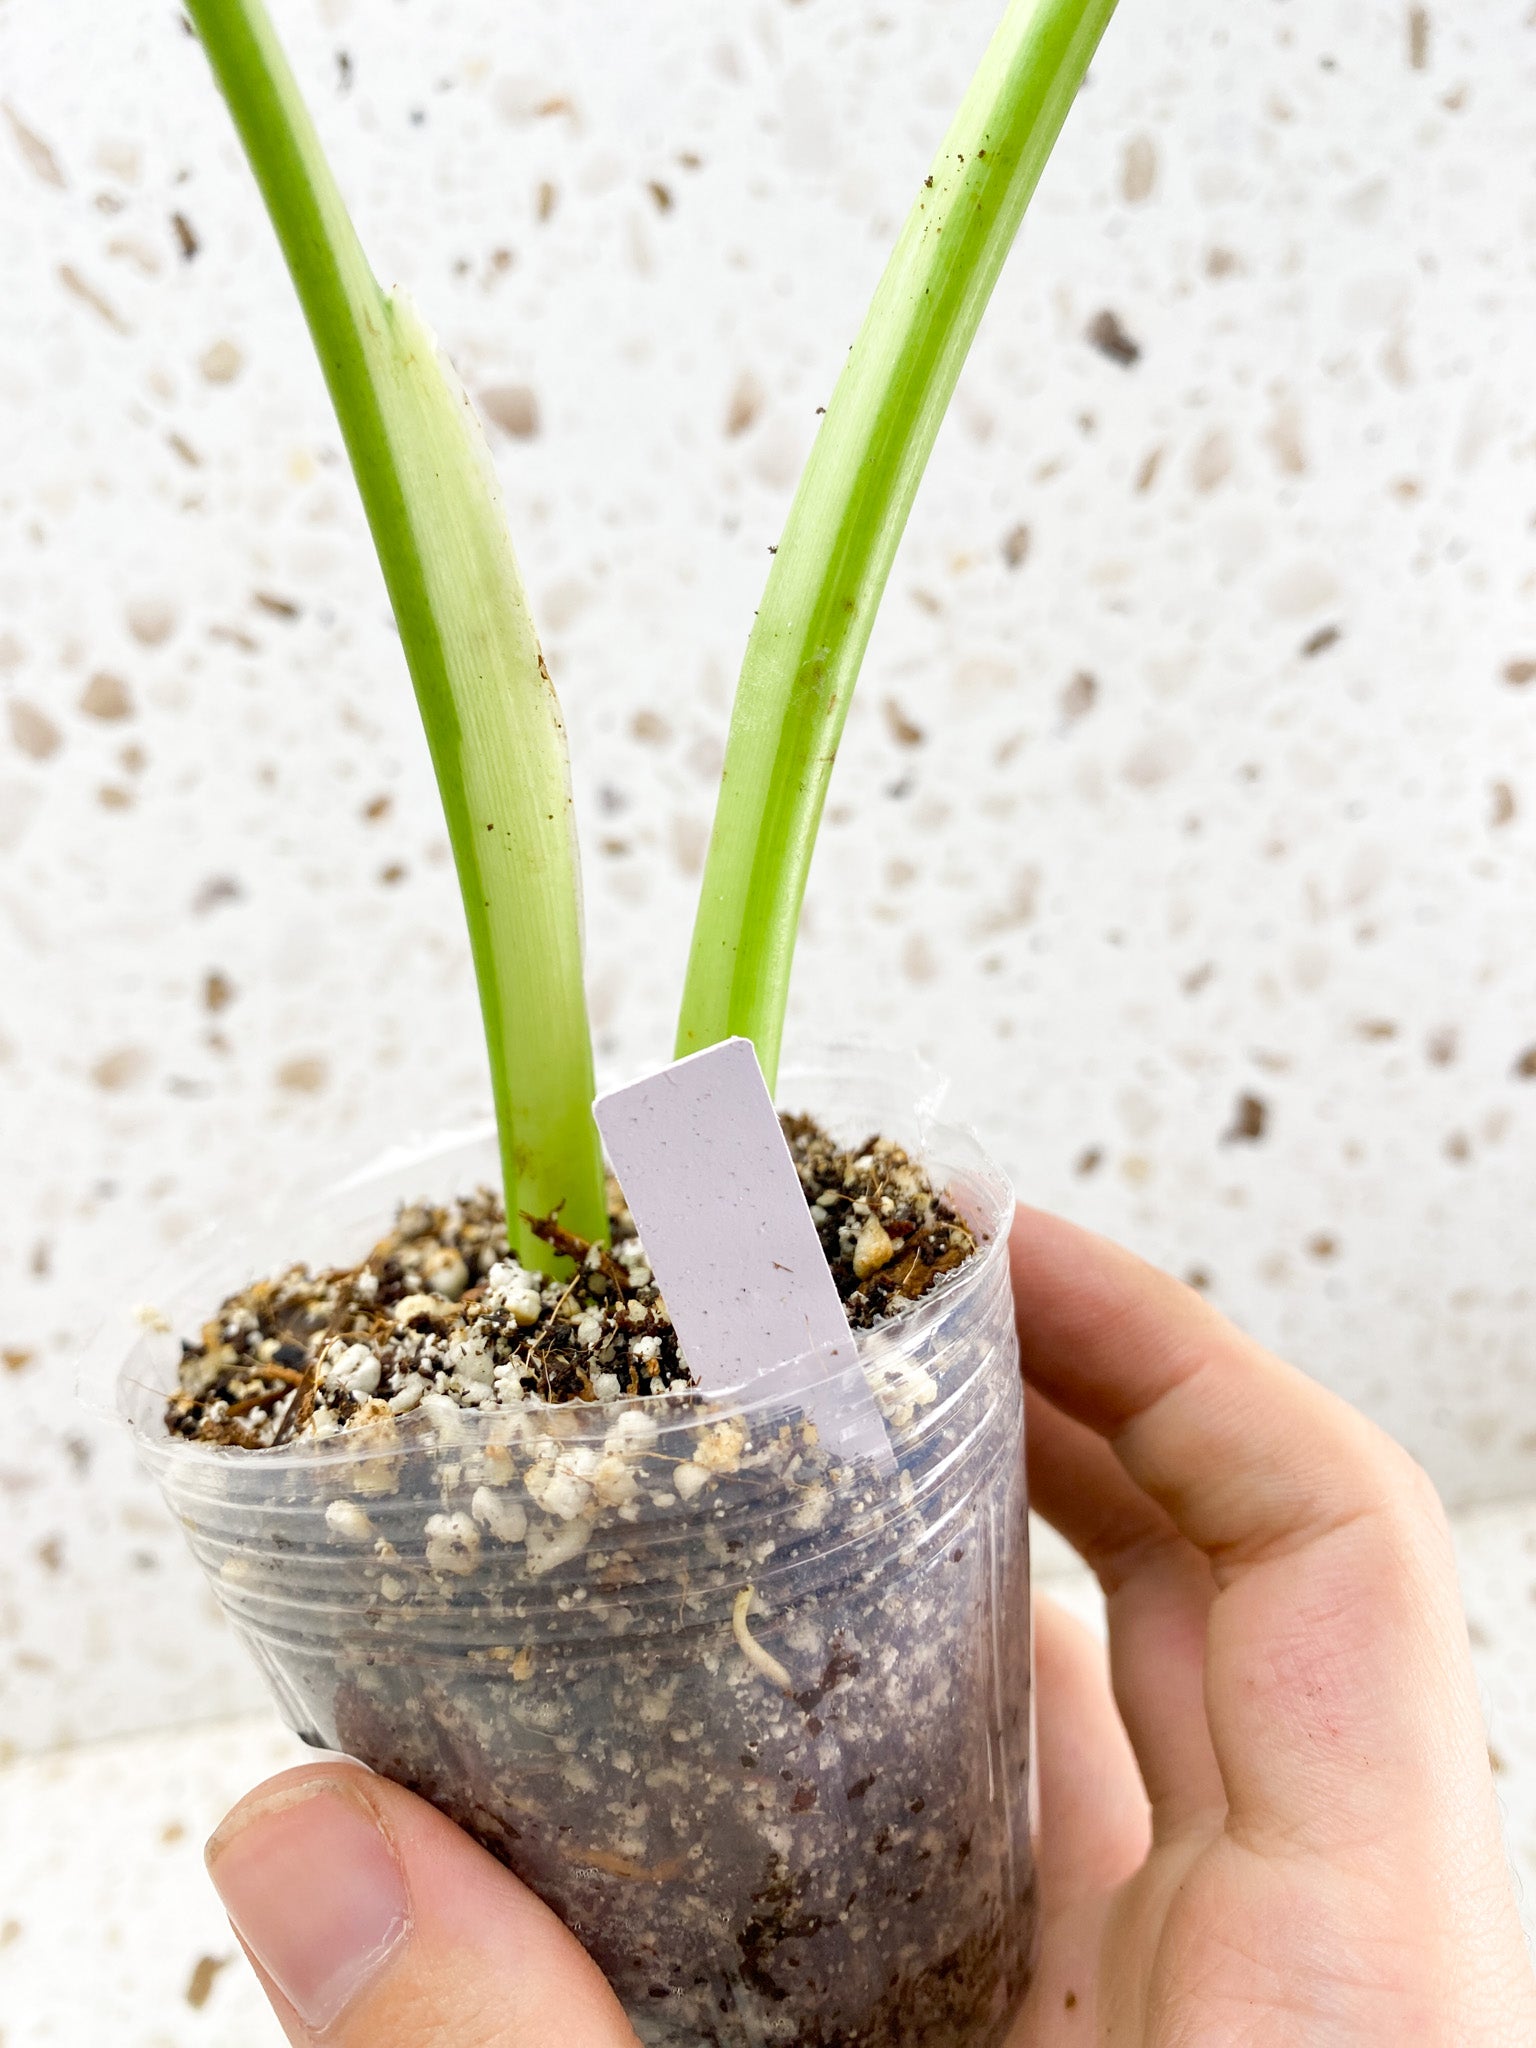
[(492, 721)]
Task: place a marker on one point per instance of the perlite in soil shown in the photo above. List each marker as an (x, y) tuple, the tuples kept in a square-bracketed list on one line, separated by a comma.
[(752, 1720)]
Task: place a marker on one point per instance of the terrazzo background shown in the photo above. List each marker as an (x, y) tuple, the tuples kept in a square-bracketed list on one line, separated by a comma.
[(1188, 810)]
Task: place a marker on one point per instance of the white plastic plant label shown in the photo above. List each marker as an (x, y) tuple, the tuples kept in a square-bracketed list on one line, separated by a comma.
[(727, 1230)]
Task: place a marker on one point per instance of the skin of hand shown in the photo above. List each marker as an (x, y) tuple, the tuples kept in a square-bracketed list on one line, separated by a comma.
[(1270, 1824)]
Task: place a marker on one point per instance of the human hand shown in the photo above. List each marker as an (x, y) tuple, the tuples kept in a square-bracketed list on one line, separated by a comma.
[(1286, 1835), (1295, 1843)]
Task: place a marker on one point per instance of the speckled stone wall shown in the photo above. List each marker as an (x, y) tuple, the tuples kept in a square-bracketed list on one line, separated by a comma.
[(1188, 811)]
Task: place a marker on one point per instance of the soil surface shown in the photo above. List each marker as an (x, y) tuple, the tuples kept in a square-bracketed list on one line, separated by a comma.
[(440, 1310)]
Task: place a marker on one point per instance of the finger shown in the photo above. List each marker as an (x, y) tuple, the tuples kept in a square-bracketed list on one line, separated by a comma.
[(1245, 1453), (1158, 1591), (1093, 1807), (374, 1923), (1338, 1685)]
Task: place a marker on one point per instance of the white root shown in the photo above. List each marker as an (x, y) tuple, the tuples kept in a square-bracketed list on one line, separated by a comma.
[(759, 1658)]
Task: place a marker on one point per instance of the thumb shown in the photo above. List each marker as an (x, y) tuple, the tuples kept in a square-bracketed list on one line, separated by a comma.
[(372, 1922)]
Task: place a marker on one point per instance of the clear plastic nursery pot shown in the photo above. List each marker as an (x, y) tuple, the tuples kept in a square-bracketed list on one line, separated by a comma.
[(755, 1723)]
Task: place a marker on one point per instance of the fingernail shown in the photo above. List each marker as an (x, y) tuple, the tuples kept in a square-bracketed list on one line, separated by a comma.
[(312, 1887)]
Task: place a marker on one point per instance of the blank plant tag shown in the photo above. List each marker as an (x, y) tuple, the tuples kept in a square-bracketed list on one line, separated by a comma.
[(727, 1230)]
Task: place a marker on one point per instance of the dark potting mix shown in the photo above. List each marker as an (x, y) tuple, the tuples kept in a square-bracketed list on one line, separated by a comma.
[(751, 1718), (440, 1308)]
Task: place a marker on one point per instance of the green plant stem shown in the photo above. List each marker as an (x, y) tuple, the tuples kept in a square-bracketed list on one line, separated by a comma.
[(849, 513), (492, 721)]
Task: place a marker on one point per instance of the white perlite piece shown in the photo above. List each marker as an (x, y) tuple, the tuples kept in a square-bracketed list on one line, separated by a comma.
[(506, 1519), (346, 1519), (446, 1273), (712, 1187), (690, 1481), (348, 1364), (453, 1544), (469, 1358), (516, 1290)]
